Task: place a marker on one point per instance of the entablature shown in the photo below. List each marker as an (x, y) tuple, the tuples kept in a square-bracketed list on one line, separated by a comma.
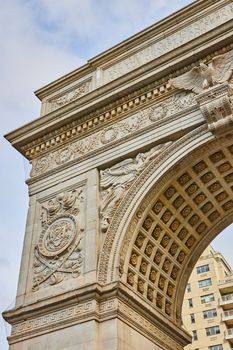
[(86, 115), (167, 35)]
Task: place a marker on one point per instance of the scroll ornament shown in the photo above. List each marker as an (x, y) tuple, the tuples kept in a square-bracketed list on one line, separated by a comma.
[(116, 180), (214, 85), (58, 254)]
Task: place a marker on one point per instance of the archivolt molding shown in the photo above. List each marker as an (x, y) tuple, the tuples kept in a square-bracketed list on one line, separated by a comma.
[(115, 181), (138, 188), (179, 216)]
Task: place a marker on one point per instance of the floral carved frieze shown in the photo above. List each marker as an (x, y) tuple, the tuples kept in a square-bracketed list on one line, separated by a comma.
[(126, 127), (79, 91), (58, 252), (115, 181)]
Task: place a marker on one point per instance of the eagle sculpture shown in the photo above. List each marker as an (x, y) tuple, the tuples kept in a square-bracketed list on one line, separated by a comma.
[(218, 71)]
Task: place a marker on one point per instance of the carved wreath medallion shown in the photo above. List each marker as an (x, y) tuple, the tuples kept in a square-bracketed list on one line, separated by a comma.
[(58, 253), (57, 237)]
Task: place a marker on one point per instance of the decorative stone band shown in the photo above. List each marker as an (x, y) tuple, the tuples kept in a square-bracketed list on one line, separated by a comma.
[(129, 103), (130, 126), (216, 107), (53, 320), (101, 311), (163, 45), (135, 319), (83, 126)]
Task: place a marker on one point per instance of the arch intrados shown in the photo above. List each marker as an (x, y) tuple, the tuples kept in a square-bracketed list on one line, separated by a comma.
[(195, 144), (156, 174)]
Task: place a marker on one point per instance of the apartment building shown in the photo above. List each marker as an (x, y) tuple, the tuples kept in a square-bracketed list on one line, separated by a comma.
[(208, 303)]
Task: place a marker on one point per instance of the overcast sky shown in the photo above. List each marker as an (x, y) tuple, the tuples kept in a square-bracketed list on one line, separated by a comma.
[(40, 40)]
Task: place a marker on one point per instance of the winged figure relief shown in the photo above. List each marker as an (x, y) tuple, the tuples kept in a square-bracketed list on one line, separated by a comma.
[(218, 71)]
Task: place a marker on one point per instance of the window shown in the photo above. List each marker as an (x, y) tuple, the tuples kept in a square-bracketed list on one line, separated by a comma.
[(209, 313), (192, 316), (207, 298), (190, 302), (203, 268), (204, 283), (212, 330), (216, 347), (194, 335), (188, 288)]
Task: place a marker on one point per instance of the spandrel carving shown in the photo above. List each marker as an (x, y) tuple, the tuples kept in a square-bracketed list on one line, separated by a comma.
[(116, 180), (200, 78), (58, 253)]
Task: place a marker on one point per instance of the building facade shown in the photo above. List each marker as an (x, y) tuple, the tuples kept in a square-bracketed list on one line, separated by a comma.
[(208, 303)]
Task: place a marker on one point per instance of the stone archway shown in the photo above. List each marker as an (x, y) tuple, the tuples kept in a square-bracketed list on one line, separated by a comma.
[(168, 217), (131, 179)]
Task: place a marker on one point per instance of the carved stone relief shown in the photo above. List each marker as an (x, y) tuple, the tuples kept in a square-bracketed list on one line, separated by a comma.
[(82, 311), (214, 85), (193, 202), (111, 236), (138, 121), (79, 91), (216, 107), (116, 180), (200, 78), (58, 253)]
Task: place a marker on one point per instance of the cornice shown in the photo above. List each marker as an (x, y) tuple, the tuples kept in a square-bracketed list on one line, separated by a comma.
[(107, 113), (133, 42), (98, 303)]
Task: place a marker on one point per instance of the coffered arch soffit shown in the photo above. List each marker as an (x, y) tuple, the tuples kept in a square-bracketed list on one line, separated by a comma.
[(171, 212)]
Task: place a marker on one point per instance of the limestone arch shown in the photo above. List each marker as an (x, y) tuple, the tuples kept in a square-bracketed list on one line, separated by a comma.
[(169, 215)]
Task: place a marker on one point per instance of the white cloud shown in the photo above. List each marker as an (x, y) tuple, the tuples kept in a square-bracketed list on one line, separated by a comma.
[(28, 60), (97, 25)]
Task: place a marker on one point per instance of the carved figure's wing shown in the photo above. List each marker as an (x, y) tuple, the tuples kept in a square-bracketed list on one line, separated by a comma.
[(118, 174), (191, 80), (126, 163), (106, 179), (107, 199), (222, 67)]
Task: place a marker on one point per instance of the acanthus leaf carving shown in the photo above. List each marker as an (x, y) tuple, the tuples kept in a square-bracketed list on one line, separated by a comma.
[(58, 253), (115, 181)]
